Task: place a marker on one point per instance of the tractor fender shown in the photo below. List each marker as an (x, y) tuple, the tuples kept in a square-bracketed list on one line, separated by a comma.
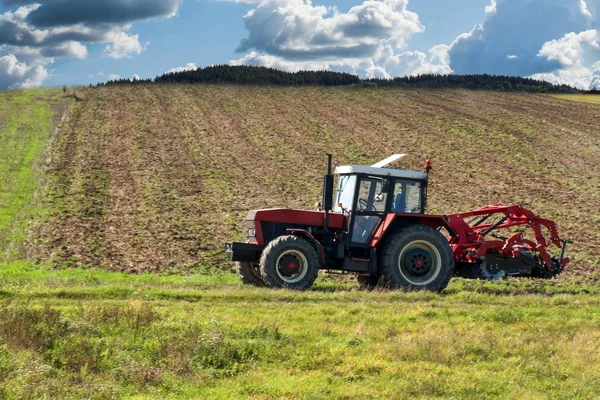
[(311, 239), (393, 222)]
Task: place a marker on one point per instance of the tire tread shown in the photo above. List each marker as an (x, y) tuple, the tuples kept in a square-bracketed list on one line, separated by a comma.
[(390, 261), (269, 258)]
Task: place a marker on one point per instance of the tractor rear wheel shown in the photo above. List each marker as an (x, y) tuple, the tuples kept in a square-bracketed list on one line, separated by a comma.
[(249, 273), (289, 262), (417, 258)]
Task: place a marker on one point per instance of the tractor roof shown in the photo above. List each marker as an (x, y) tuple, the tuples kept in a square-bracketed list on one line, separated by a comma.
[(378, 170), (397, 173)]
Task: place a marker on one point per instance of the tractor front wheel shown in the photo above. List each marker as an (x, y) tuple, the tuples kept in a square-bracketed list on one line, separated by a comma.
[(289, 262), (249, 273), (417, 258)]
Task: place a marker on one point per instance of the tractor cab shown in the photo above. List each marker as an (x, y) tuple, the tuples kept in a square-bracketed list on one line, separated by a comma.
[(367, 194)]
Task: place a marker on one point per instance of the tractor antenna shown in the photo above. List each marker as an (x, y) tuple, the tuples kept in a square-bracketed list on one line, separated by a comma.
[(428, 168)]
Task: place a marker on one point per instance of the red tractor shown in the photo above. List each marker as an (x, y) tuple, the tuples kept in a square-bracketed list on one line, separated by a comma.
[(377, 228)]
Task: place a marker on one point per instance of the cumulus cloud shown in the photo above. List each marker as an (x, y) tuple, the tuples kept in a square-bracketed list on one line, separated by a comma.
[(186, 67), (367, 40), (124, 46), (39, 31), (17, 74), (67, 49), (546, 39), (595, 84), (491, 9), (114, 77), (571, 52), (54, 13), (295, 29)]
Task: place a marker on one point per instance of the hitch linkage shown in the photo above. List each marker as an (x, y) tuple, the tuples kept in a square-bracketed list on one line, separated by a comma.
[(563, 247)]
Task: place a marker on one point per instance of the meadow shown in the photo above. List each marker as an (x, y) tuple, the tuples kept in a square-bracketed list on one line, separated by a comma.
[(113, 283)]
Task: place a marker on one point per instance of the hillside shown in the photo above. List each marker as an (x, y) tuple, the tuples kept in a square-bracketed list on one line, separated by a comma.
[(156, 178), (151, 178)]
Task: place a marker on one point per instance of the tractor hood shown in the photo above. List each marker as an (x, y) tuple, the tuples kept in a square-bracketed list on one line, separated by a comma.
[(296, 217)]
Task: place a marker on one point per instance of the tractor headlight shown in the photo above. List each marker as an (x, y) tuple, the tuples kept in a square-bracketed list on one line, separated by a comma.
[(250, 232)]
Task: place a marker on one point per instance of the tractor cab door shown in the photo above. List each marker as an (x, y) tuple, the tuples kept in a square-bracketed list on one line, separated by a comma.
[(369, 209)]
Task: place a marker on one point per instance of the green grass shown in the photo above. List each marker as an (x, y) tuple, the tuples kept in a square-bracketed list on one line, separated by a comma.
[(25, 128), (96, 334), (586, 98), (198, 333)]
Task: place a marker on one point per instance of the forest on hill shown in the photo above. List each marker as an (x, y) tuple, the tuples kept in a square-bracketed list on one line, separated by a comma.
[(250, 75)]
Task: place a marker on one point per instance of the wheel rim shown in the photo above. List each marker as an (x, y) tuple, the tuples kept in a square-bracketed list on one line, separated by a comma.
[(419, 263), (255, 267), (292, 266)]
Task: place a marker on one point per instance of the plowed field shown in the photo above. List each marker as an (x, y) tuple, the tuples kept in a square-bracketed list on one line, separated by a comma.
[(159, 177)]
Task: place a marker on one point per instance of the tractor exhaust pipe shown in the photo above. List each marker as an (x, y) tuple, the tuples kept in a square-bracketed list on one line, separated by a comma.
[(328, 192)]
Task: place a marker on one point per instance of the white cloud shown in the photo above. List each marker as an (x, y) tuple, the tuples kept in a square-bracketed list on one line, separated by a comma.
[(584, 9), (595, 83), (113, 77), (491, 9), (385, 64), (547, 39), (124, 46), (136, 77), (70, 49), (416, 62), (296, 35), (186, 67), (571, 51), (577, 77), (16, 74), (297, 30), (238, 1), (41, 30)]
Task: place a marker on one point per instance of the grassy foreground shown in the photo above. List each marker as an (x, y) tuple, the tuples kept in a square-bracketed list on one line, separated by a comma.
[(25, 128), (197, 333), (98, 334)]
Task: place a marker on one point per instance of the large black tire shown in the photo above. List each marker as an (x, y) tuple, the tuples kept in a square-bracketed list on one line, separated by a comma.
[(417, 258), (249, 273), (289, 262)]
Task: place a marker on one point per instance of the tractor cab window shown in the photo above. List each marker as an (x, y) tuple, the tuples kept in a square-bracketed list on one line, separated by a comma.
[(372, 195), (345, 193), (407, 197)]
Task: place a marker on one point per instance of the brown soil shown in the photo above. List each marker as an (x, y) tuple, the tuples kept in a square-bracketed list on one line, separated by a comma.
[(159, 177)]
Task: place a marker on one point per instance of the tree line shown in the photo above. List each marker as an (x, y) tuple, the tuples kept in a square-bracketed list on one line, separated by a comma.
[(249, 75), (480, 82)]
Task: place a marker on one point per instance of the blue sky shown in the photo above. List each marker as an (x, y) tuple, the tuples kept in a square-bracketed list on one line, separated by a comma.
[(55, 42)]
